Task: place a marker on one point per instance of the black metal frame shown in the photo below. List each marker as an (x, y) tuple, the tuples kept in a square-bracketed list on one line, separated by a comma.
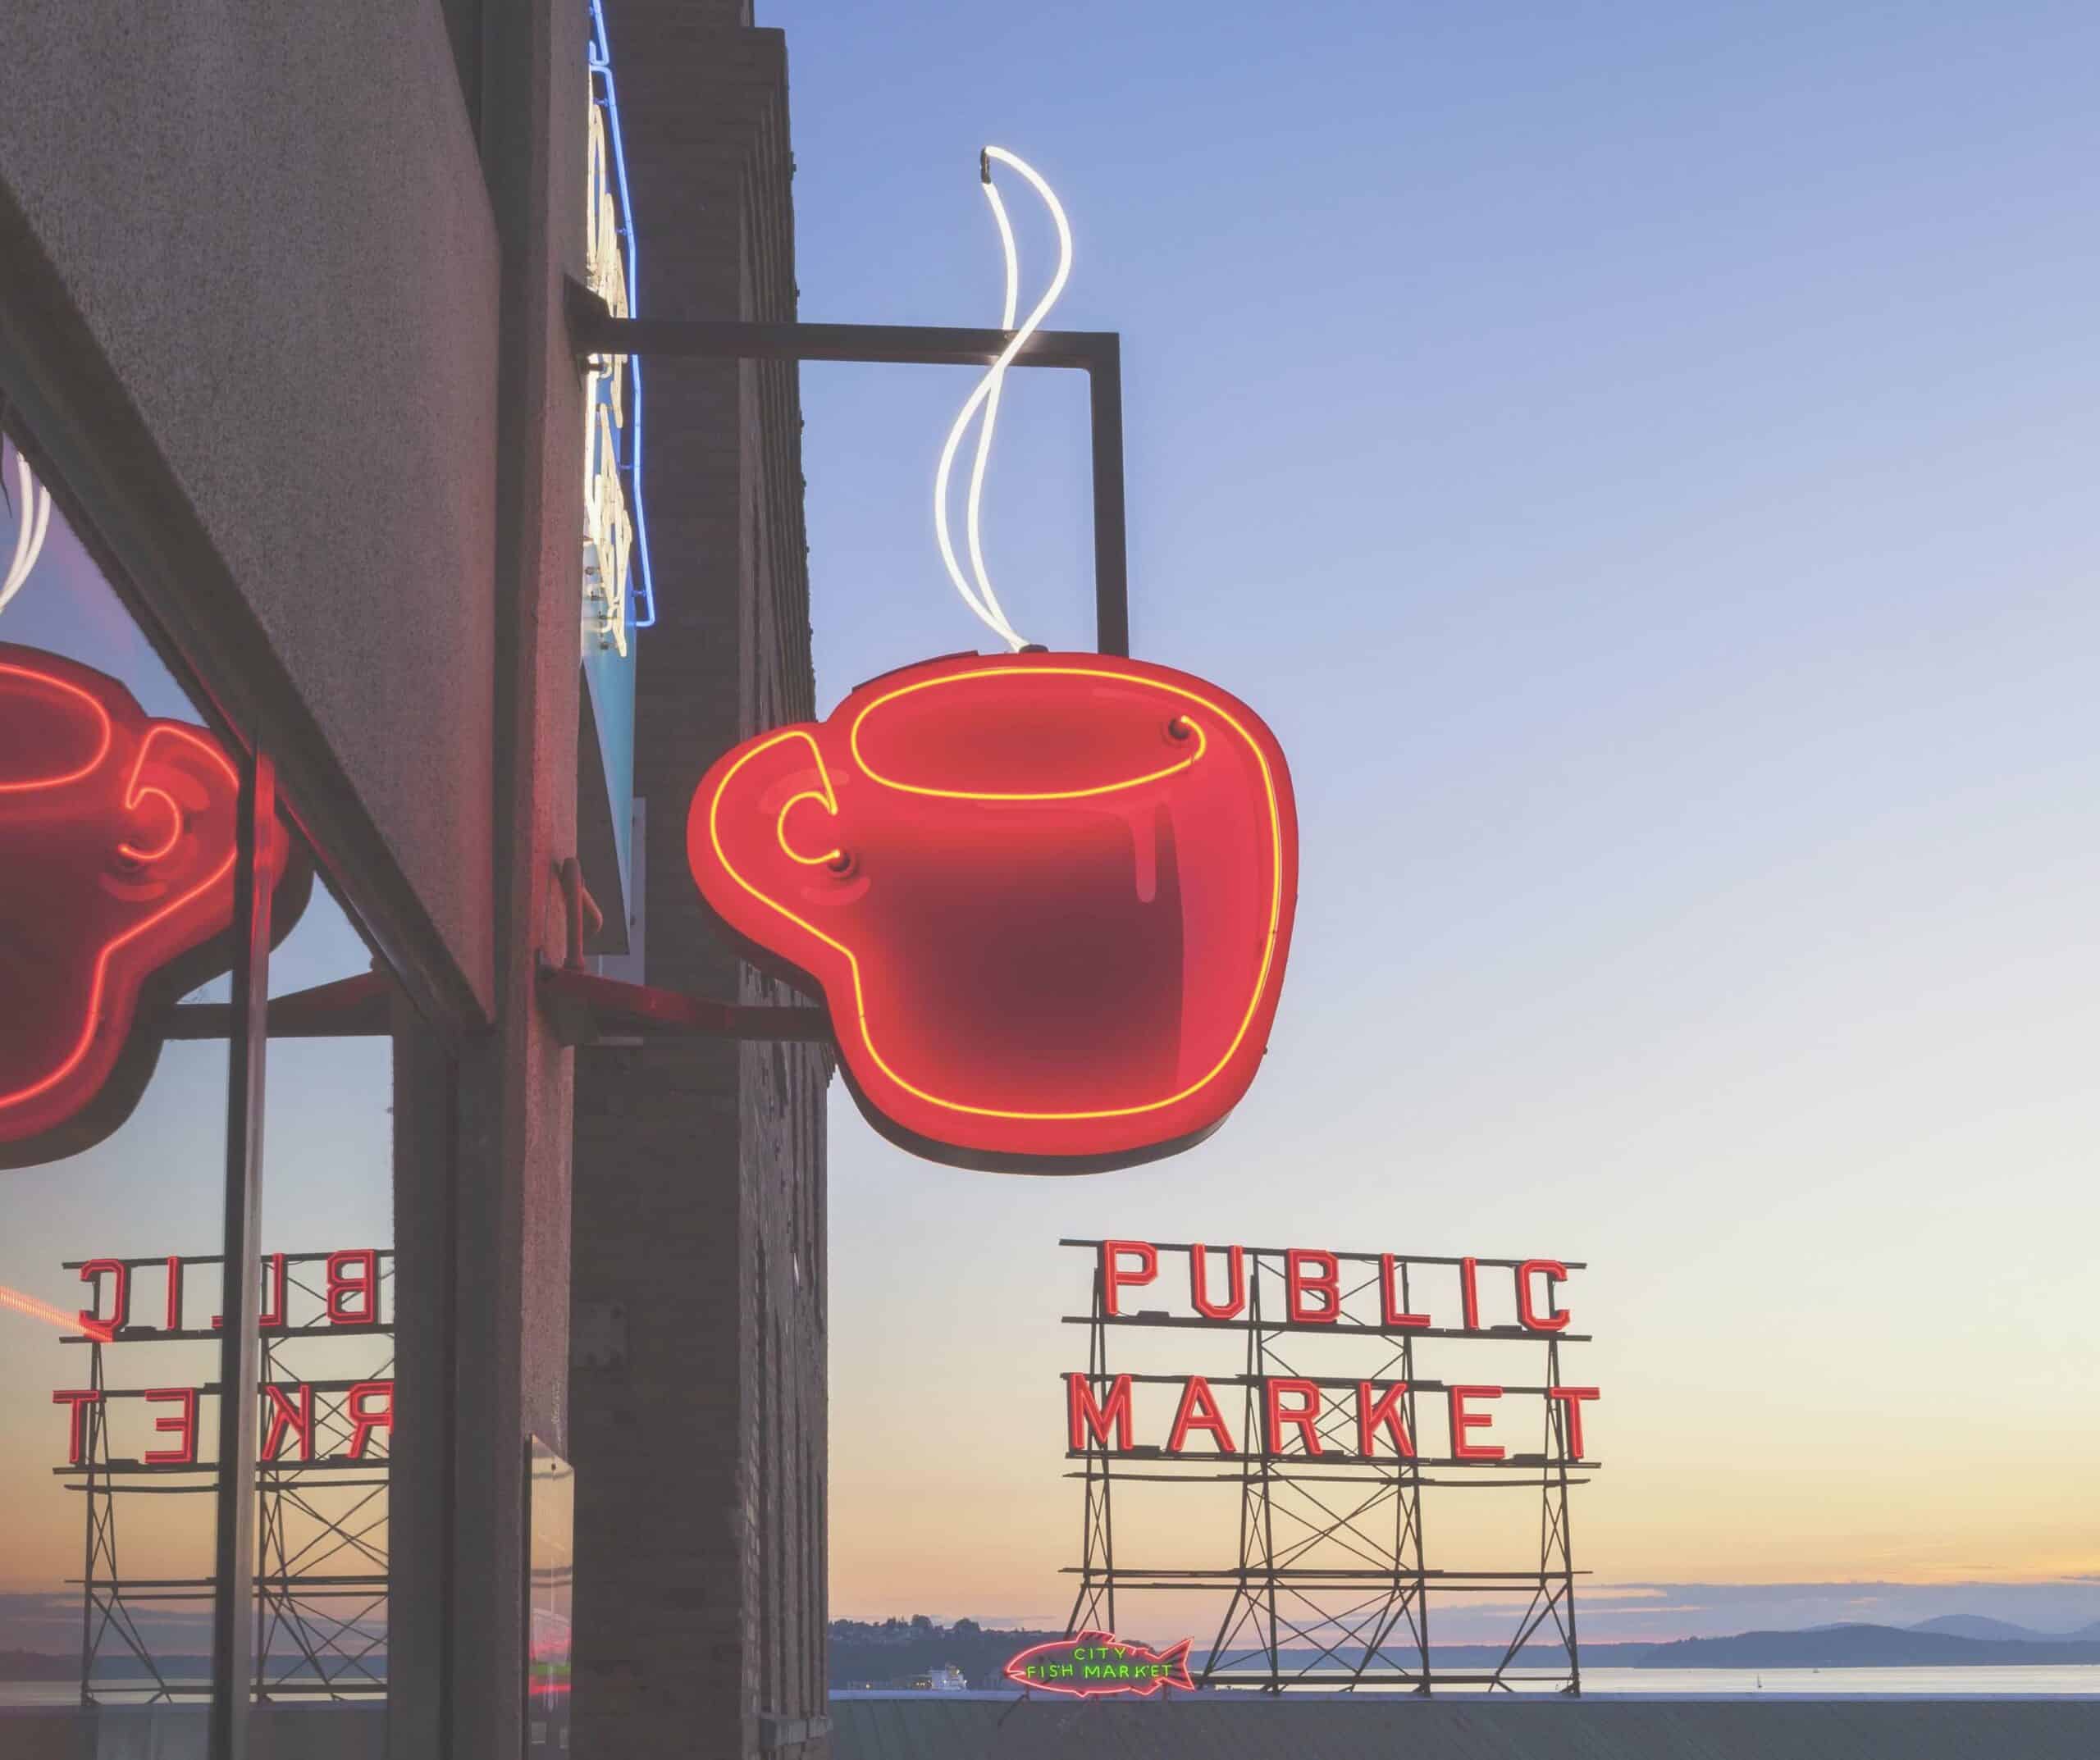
[(1288, 1589)]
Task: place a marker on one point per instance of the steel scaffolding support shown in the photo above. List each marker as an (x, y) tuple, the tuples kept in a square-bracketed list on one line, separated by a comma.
[(321, 1567)]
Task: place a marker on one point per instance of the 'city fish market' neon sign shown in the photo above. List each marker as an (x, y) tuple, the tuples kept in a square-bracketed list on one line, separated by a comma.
[(1312, 1416), (1047, 898), (1097, 1665)]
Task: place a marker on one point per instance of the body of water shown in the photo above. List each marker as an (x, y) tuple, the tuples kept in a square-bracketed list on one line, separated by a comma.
[(2069, 1680), (2064, 1680), (2059, 1682), (68, 1692)]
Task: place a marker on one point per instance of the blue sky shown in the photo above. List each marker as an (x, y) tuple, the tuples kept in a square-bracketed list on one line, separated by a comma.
[(1638, 458)]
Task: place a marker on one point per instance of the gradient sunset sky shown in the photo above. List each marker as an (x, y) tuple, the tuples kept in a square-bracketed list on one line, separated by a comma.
[(1640, 460)]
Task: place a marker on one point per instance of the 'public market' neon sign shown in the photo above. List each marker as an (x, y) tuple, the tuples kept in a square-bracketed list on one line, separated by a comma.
[(1308, 1416)]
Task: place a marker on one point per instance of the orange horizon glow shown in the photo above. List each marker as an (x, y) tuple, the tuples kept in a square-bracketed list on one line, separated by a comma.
[(853, 741)]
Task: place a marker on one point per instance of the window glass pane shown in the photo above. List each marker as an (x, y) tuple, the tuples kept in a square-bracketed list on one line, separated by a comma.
[(116, 814)]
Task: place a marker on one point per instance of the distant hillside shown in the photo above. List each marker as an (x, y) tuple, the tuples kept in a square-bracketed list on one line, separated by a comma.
[(1827, 1647), (891, 1654), (864, 1654), (1845, 1646), (1981, 1625), (34, 1665)]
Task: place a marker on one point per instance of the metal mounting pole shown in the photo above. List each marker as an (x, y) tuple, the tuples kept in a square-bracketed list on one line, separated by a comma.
[(232, 1630), (92, 1453), (1112, 565)]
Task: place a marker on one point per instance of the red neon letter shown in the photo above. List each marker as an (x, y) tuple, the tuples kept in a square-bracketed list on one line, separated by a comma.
[(1326, 1284), (1305, 1417), (272, 1314), (79, 1398), (1462, 1420), (1087, 1417), (363, 1423), (284, 1416), (184, 1427), (174, 1293), (1199, 1412), (1113, 1279), (1571, 1400), (1235, 1259), (1554, 1319), (120, 1309), (1469, 1289), (1390, 1282), (1386, 1411), (364, 1283)]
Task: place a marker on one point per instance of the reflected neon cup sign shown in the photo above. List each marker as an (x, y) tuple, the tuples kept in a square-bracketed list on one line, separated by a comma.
[(117, 837), (1047, 899)]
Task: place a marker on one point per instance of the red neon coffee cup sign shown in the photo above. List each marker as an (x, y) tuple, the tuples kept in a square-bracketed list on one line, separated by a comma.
[(1047, 897)]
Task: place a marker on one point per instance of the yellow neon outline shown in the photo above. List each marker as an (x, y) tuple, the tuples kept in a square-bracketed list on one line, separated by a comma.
[(852, 959), (873, 775), (830, 805)]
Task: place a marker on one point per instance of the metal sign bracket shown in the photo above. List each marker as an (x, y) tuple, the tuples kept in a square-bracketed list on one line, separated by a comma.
[(595, 332), (585, 1007)]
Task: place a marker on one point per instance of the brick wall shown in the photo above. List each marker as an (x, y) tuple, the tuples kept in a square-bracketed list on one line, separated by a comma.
[(699, 1416)]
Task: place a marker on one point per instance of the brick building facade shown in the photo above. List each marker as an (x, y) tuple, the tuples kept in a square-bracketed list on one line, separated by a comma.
[(698, 1418), (305, 394)]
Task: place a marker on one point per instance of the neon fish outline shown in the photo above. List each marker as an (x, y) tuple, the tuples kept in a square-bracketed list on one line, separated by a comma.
[(1168, 1667)]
